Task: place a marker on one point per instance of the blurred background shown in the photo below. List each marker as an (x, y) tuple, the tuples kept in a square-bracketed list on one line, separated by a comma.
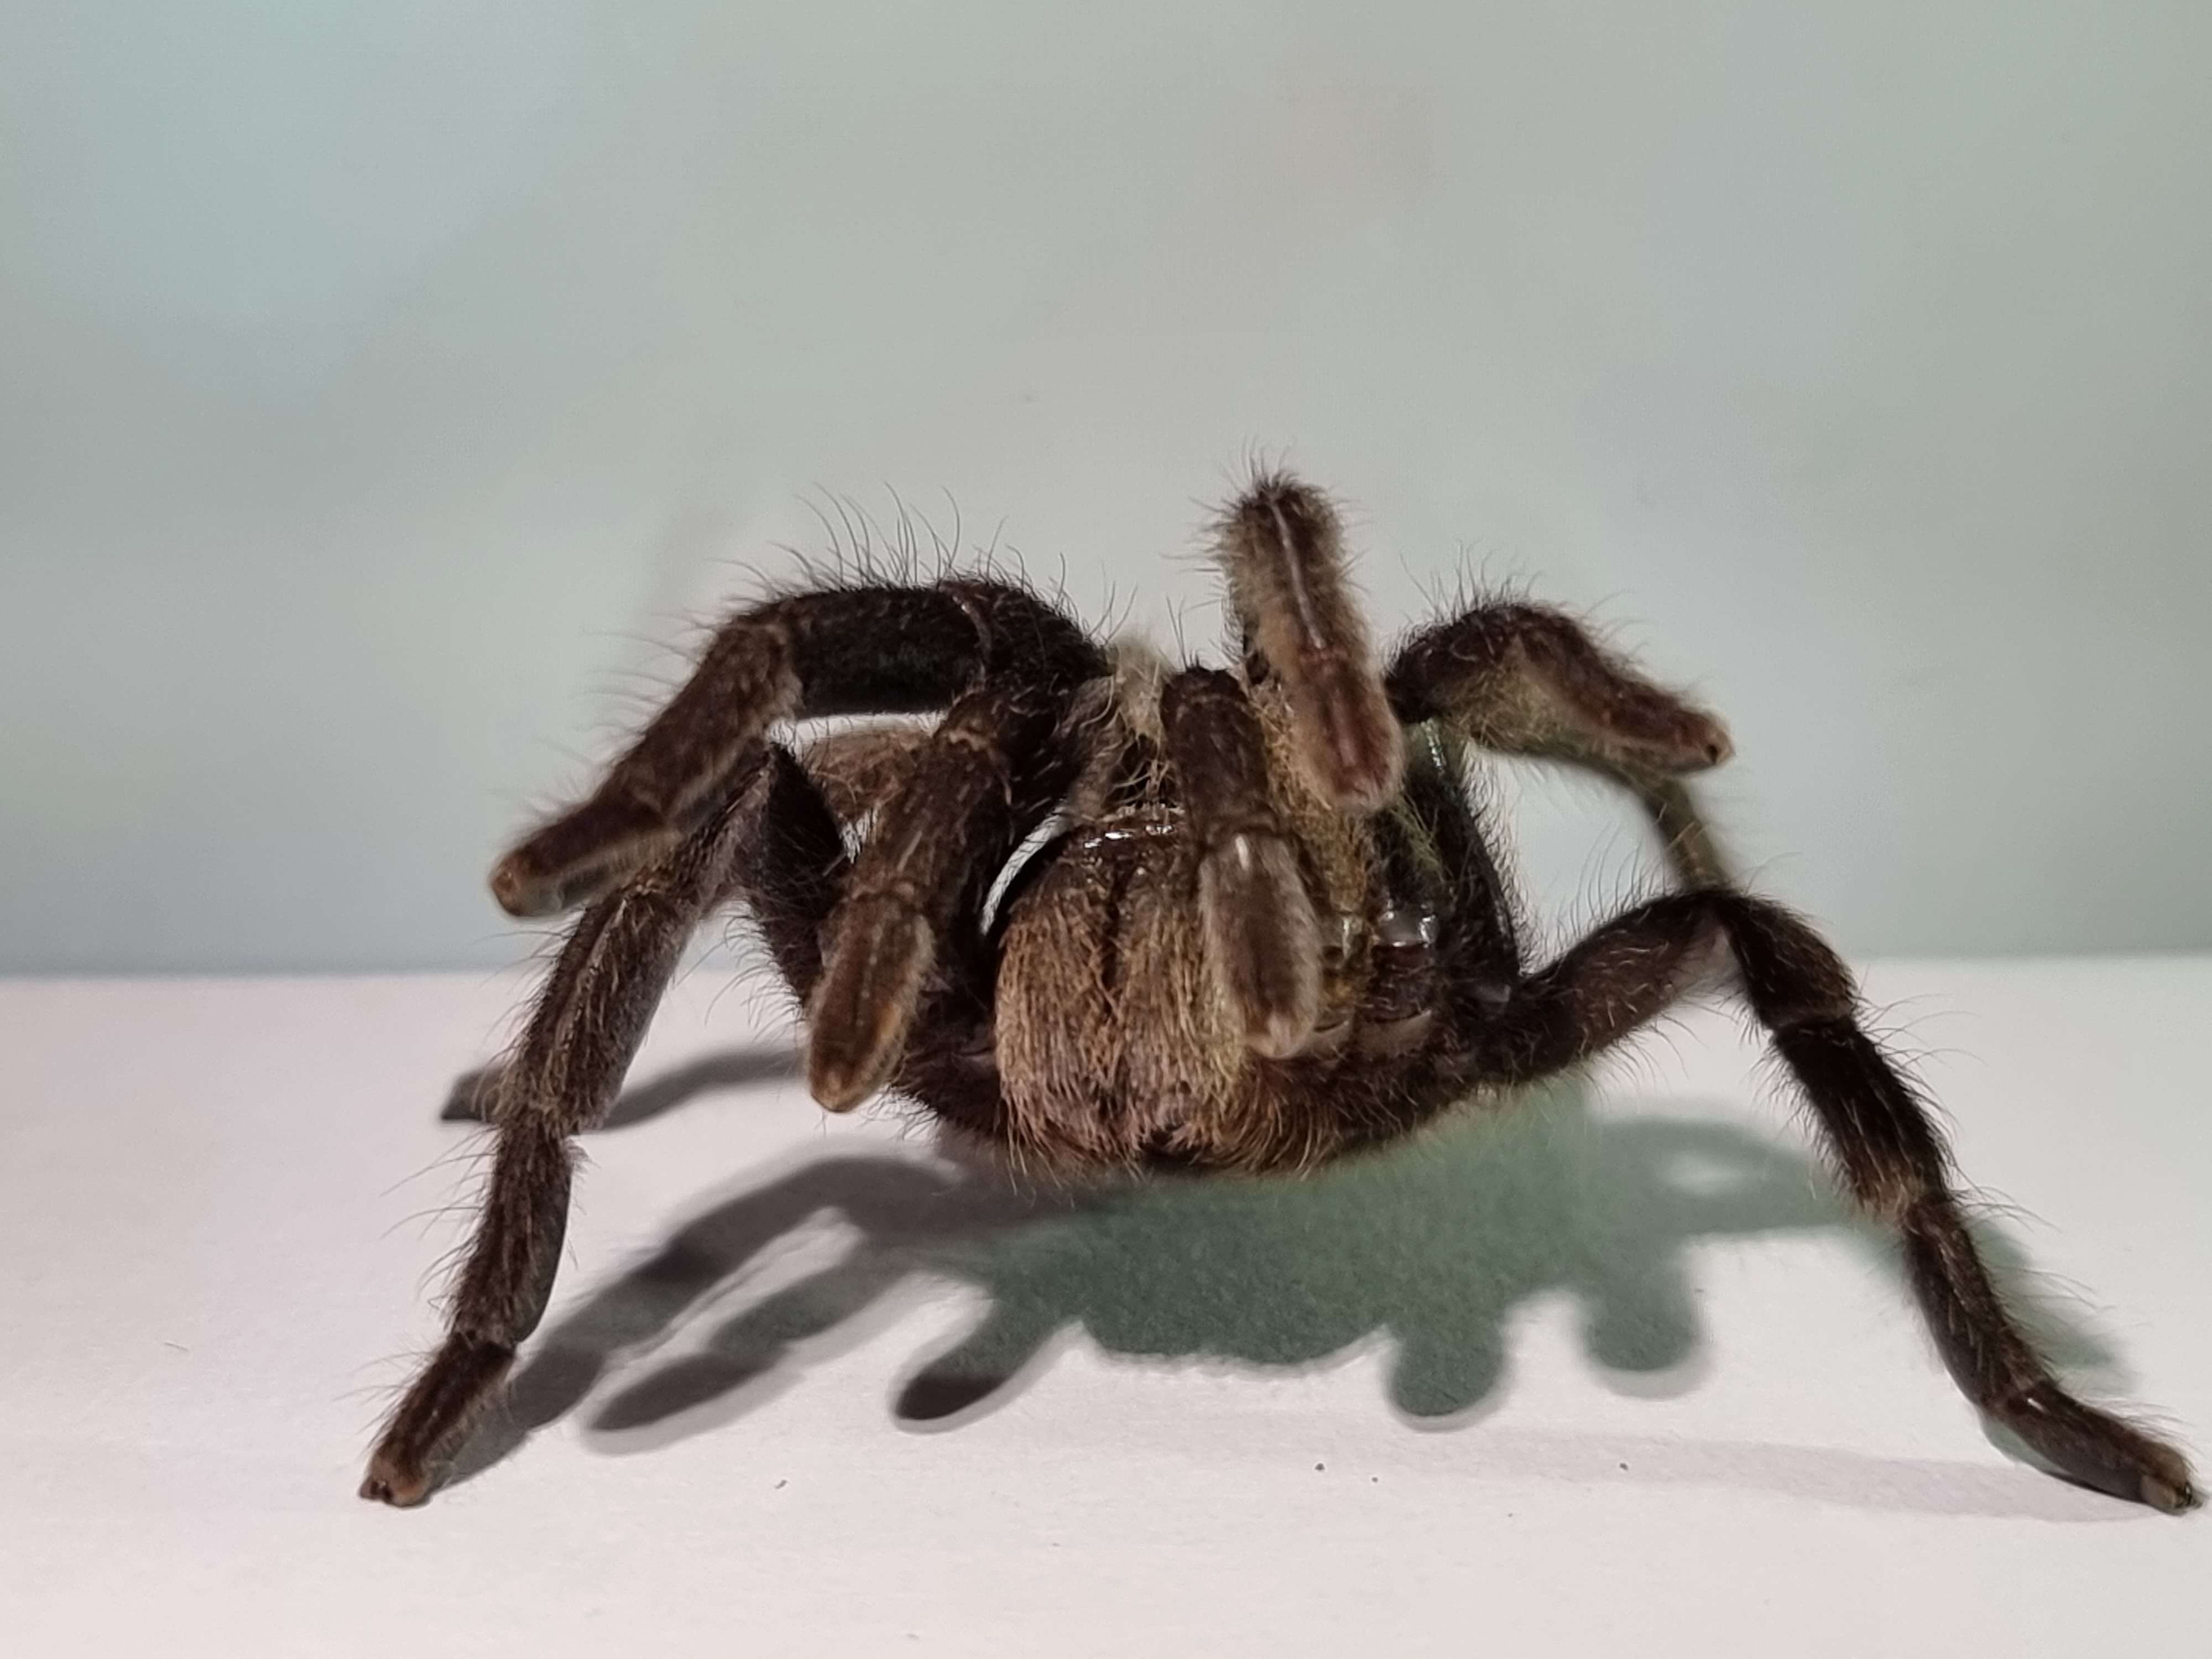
[(388, 391)]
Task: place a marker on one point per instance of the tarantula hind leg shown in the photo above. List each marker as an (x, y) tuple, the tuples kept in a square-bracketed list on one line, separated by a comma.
[(591, 1016), (1890, 1155)]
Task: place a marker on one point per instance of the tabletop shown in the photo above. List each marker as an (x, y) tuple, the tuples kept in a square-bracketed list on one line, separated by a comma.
[(1615, 1372)]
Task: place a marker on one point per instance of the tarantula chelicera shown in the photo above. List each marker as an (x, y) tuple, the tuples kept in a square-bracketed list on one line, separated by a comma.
[(1258, 926)]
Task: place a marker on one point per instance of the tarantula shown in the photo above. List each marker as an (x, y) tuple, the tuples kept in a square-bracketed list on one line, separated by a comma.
[(1257, 928)]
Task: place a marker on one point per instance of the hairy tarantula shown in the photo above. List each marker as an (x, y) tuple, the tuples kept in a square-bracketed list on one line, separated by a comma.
[(1262, 930)]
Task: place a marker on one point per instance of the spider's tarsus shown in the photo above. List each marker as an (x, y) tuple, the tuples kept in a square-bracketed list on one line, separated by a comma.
[(2099, 1449), (518, 892), (869, 988), (434, 1418), (386, 1485), (582, 855), (1262, 940), (1707, 743), (1675, 740), (838, 1085), (2174, 1500)]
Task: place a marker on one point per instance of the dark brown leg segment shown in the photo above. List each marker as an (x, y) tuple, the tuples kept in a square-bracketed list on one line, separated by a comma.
[(1261, 938), (1693, 852), (861, 650), (791, 869), (1529, 681), (1526, 680), (1283, 554), (591, 1016), (939, 838), (1889, 1153)]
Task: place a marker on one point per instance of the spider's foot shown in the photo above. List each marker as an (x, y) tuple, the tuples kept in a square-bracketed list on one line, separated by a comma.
[(387, 1482), (580, 856), (2173, 1498), (1704, 742), (436, 1414), (1262, 940), (2099, 1450), (1676, 739), (858, 1020)]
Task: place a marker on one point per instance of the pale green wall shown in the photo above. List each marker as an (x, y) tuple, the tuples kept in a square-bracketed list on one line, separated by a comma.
[(381, 384)]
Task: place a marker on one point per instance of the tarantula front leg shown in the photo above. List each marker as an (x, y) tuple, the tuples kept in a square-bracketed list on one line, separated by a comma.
[(591, 1016), (1891, 1156), (1527, 680), (1261, 938), (874, 650)]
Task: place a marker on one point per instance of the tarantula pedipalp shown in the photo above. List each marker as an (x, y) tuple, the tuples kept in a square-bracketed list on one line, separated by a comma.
[(1263, 930)]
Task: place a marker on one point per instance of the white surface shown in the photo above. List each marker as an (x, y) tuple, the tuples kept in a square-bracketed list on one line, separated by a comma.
[(223, 1207), (385, 383)]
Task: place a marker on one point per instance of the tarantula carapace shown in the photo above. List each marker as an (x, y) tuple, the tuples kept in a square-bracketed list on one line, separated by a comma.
[(1256, 926)]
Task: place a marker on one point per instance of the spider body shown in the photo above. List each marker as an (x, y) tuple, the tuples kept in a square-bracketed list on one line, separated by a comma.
[(1107, 913), (1124, 1036)]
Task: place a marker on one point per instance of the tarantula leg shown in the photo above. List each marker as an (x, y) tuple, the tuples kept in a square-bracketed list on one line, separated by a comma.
[(1281, 547), (1692, 851), (1528, 680), (792, 869), (1261, 939), (1436, 850), (843, 651), (1892, 1158), (858, 770), (1612, 983), (945, 831), (591, 1016)]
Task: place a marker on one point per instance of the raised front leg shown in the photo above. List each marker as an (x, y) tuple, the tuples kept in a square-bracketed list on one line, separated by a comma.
[(1527, 680)]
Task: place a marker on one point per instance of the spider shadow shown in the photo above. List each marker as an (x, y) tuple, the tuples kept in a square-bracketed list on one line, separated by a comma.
[(1431, 1246), (469, 1101)]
